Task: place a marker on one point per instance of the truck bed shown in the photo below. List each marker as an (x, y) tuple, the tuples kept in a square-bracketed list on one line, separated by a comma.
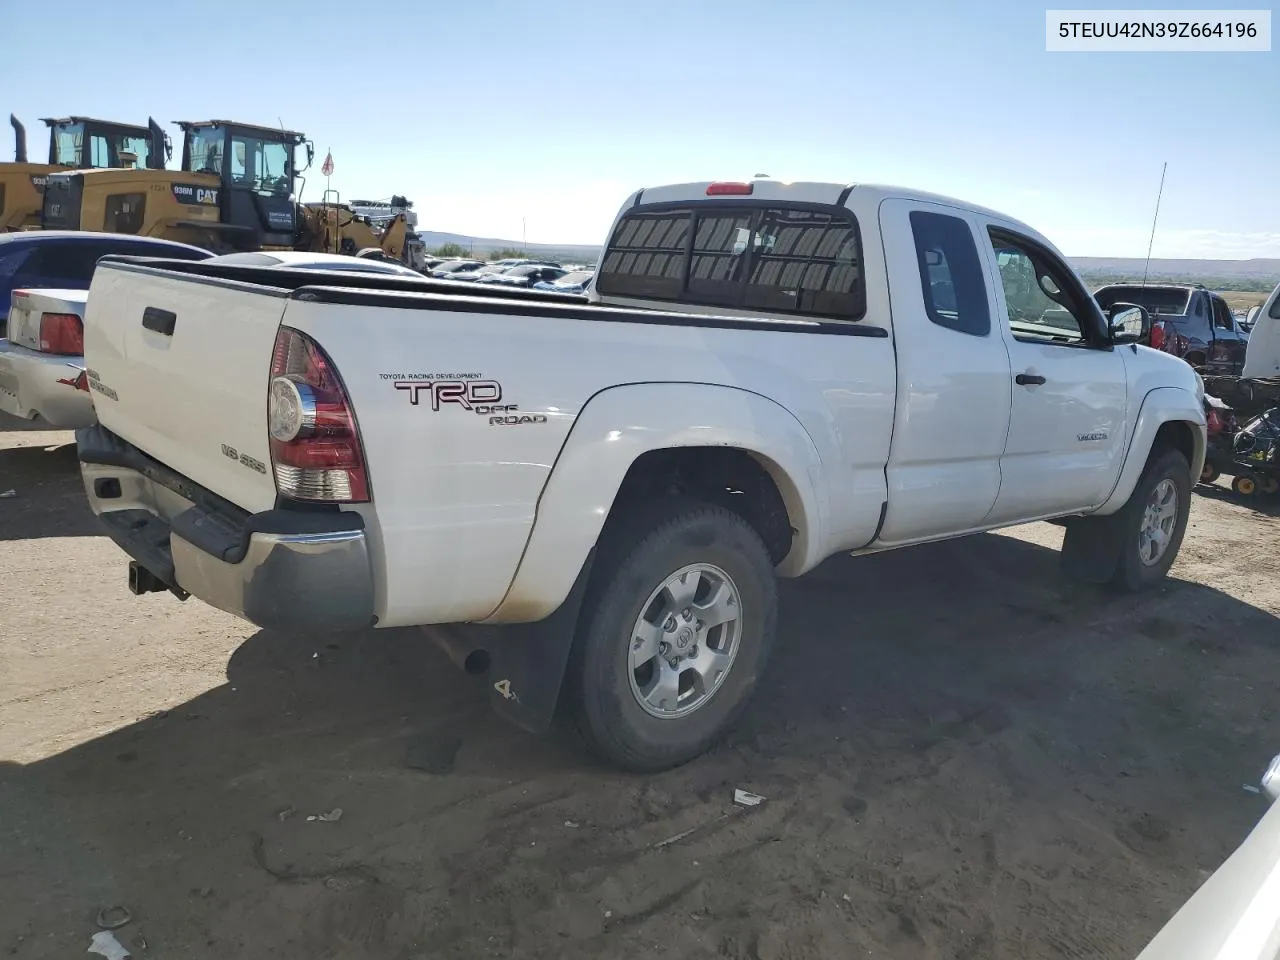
[(373, 289)]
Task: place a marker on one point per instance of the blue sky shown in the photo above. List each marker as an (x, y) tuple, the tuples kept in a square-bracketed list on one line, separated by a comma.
[(554, 112)]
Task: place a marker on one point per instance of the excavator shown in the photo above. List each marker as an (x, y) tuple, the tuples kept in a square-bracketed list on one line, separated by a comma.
[(234, 191), (74, 143)]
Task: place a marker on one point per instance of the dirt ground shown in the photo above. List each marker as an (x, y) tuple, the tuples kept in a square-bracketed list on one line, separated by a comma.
[(962, 758)]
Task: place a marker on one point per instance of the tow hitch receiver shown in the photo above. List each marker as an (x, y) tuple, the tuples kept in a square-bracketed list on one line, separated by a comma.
[(142, 580)]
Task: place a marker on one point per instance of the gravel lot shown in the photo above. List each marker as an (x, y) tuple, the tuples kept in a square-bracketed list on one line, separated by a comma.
[(962, 757)]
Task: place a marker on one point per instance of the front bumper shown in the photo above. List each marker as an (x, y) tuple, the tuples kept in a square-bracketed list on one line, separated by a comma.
[(281, 569), (41, 385)]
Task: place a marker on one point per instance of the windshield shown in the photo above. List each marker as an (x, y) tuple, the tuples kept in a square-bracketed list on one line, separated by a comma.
[(68, 140), (578, 276), (205, 144), (261, 164)]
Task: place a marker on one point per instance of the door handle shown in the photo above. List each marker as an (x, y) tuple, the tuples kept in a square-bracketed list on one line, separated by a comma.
[(161, 321), (1028, 379)]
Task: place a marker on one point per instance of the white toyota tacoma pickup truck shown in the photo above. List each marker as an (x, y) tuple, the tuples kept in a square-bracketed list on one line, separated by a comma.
[(595, 495)]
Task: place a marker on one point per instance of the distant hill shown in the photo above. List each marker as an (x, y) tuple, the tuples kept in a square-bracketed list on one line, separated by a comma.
[(1249, 274), (481, 246), (1212, 273)]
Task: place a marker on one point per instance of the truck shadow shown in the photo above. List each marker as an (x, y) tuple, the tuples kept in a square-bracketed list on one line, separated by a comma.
[(48, 498), (953, 690)]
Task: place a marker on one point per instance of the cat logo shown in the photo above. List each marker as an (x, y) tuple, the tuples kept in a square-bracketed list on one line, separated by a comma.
[(194, 194)]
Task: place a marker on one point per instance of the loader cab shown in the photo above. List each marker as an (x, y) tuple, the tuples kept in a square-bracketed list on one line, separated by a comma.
[(81, 143), (256, 168), (75, 144)]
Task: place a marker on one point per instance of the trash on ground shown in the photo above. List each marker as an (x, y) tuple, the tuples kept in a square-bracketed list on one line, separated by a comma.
[(570, 824), (8, 494), (113, 918), (105, 943), (333, 816), (1250, 788), (676, 839), (286, 813), (745, 799)]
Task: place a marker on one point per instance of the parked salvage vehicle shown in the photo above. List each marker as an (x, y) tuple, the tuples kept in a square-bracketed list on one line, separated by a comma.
[(1235, 915), (1262, 357), (1188, 321), (44, 282), (598, 496)]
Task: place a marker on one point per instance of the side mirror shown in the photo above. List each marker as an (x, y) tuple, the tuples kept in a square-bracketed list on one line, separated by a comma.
[(1129, 323)]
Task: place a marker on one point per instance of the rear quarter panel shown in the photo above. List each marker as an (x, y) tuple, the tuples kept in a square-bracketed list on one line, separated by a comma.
[(455, 497)]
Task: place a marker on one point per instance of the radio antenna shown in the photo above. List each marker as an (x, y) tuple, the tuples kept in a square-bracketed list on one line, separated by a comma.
[(1159, 193)]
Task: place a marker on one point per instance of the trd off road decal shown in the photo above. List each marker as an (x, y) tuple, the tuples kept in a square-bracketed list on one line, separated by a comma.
[(461, 391)]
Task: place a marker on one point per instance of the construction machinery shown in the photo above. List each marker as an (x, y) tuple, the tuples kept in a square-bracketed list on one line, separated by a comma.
[(234, 191), (362, 228), (74, 143)]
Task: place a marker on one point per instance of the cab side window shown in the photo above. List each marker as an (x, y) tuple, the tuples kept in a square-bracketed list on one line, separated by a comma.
[(955, 294), (1038, 295)]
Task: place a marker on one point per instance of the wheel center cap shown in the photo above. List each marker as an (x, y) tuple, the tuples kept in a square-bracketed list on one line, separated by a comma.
[(684, 637)]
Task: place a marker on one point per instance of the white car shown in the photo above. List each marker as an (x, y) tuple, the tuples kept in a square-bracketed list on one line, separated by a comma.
[(1262, 356), (42, 373), (1235, 915), (763, 375), (41, 362), (304, 260)]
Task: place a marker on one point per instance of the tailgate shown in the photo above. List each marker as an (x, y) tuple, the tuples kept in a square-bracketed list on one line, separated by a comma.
[(179, 366)]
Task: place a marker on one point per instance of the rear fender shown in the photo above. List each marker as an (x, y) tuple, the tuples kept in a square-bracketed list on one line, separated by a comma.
[(620, 424), (1160, 406)]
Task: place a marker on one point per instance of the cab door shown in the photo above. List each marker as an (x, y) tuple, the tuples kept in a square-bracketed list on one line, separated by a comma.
[(1068, 424), (953, 395)]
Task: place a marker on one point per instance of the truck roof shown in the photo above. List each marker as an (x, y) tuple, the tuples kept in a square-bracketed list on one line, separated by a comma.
[(804, 191), (251, 127)]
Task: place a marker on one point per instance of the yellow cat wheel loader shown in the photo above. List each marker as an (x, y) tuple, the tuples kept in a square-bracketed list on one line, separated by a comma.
[(234, 191), (74, 143)]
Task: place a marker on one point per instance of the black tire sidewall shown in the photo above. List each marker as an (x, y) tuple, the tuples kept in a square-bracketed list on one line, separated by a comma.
[(1132, 572), (637, 560)]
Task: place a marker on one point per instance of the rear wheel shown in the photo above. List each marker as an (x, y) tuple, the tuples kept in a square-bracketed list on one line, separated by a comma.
[(1210, 473), (1269, 485), (675, 631)]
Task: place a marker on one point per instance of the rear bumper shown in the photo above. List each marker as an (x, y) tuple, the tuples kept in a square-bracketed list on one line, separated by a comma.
[(281, 569), (32, 386)]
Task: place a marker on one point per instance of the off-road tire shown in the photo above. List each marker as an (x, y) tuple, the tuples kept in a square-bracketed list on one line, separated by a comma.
[(1104, 549), (637, 553), (1131, 574)]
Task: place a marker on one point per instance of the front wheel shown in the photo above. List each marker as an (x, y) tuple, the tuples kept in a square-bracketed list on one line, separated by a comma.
[(1154, 522), (1210, 473), (675, 631), (1133, 548)]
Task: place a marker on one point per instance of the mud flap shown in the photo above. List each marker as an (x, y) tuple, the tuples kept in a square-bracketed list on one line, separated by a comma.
[(523, 664), (1092, 546)]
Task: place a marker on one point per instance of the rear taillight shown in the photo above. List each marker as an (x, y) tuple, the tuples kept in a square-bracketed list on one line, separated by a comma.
[(1213, 421), (315, 444), (1157, 336), (61, 333)]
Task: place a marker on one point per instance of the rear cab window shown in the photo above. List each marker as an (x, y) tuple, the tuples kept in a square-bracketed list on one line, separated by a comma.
[(762, 256)]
